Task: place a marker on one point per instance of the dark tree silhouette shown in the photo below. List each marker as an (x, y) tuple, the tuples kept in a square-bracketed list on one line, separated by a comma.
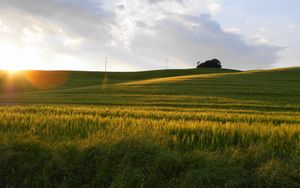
[(214, 63)]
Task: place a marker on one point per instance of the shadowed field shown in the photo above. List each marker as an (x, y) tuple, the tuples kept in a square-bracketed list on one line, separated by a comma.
[(175, 128)]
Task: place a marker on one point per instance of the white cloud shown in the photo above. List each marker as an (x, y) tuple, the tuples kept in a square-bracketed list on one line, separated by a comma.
[(3, 28), (263, 35), (214, 8), (134, 35), (292, 26), (234, 30)]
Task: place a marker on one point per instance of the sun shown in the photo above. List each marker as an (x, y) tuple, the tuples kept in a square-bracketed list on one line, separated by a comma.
[(12, 71), (13, 59)]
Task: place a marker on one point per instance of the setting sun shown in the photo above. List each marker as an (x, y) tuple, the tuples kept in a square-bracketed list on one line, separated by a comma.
[(12, 72), (15, 57), (12, 57)]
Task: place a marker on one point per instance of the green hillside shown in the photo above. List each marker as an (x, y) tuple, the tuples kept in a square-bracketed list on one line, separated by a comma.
[(279, 86), (79, 79), (175, 128)]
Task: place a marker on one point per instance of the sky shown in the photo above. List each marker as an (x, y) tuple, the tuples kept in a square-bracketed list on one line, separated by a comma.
[(139, 35)]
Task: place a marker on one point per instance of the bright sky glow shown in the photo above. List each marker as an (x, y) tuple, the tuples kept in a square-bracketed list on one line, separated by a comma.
[(140, 34)]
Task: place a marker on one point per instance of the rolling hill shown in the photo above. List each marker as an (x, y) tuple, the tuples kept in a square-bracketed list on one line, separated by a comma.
[(279, 86), (175, 128), (69, 79)]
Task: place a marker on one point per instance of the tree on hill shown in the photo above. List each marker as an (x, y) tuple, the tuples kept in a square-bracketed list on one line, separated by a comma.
[(214, 63)]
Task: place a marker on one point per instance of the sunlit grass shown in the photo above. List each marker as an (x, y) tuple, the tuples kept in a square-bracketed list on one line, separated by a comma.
[(243, 137)]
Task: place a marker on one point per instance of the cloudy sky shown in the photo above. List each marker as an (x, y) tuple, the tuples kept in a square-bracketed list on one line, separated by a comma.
[(140, 34)]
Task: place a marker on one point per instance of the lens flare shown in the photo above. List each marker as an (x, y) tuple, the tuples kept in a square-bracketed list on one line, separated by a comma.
[(11, 82), (45, 80)]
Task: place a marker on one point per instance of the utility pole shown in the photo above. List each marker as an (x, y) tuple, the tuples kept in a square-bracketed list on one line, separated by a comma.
[(167, 61), (105, 63)]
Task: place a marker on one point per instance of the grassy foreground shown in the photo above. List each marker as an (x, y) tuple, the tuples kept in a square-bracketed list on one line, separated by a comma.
[(180, 128)]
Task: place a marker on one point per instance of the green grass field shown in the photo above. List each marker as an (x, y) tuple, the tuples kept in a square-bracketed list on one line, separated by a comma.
[(175, 128)]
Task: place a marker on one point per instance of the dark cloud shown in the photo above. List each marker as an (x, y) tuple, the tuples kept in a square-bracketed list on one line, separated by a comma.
[(121, 7), (85, 19)]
